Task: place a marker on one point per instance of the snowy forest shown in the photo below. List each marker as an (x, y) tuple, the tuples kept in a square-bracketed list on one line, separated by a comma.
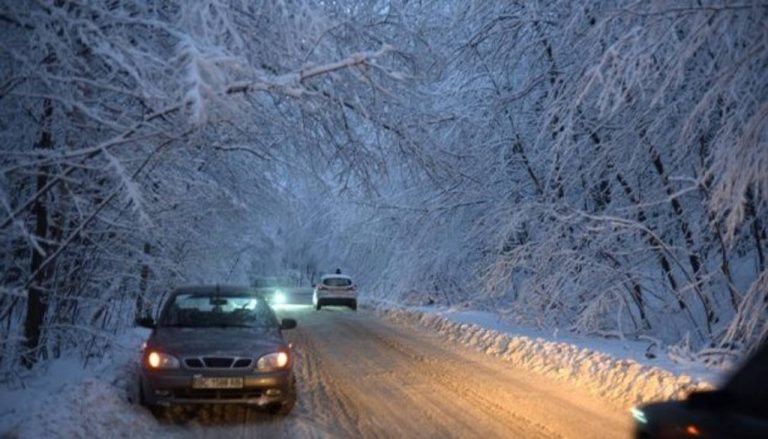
[(600, 167)]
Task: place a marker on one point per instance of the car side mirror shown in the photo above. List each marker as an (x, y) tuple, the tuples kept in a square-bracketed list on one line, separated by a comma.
[(288, 324), (708, 400), (146, 322)]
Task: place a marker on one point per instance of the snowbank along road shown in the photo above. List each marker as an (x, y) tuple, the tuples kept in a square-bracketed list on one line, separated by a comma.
[(360, 376)]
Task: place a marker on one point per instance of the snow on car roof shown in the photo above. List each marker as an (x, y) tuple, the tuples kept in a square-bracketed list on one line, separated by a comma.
[(337, 276)]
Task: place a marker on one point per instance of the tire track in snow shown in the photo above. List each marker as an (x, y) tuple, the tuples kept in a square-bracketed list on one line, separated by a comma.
[(321, 398), (460, 384), (446, 390)]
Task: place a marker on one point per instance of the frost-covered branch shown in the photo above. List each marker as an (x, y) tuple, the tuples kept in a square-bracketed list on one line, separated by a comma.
[(291, 83)]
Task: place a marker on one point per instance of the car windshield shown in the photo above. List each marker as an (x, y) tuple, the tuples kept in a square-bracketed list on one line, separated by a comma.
[(217, 310), (337, 282)]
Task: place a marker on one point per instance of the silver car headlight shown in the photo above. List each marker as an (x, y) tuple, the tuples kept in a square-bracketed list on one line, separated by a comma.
[(275, 360)]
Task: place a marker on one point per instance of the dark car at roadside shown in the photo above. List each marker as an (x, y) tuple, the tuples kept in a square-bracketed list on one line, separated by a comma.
[(217, 345), (737, 410)]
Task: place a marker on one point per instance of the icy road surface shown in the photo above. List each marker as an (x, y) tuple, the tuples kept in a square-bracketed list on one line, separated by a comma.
[(359, 376)]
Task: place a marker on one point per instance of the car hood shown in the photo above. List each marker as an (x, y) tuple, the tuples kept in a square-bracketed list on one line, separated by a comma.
[(240, 342)]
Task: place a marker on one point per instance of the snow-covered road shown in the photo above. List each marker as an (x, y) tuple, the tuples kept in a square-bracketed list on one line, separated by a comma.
[(364, 377), (360, 376)]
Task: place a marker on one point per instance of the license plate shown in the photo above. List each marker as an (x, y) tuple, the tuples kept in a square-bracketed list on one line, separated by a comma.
[(217, 382)]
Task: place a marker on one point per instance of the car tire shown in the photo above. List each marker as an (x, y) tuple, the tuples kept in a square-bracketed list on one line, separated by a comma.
[(137, 394), (318, 306), (158, 411), (285, 407), (353, 305), (161, 412)]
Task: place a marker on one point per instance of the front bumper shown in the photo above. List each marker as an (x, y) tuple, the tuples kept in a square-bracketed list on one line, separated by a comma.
[(168, 387), (336, 301), (331, 296)]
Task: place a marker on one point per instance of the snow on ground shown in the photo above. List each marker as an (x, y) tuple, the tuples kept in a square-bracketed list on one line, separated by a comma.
[(63, 398), (615, 370)]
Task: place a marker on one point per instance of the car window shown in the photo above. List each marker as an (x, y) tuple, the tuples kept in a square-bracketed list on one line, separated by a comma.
[(211, 309), (337, 282)]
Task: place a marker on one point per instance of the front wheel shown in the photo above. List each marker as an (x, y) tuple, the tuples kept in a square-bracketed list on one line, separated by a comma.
[(285, 407), (158, 411), (353, 305), (318, 306), (161, 412)]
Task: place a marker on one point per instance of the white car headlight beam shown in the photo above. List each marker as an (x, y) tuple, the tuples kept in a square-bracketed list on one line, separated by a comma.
[(275, 360), (159, 360)]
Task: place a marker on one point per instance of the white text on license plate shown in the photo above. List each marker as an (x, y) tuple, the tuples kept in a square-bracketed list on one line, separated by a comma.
[(199, 382)]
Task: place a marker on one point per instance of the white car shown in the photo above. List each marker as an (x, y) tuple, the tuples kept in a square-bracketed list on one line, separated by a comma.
[(335, 289)]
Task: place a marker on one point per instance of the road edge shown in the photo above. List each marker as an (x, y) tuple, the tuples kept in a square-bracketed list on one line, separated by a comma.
[(619, 381)]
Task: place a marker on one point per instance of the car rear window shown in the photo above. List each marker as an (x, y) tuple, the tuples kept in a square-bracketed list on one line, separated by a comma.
[(337, 282)]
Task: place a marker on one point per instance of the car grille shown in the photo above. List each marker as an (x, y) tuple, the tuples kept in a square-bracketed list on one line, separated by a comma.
[(194, 362), (218, 362), (242, 362)]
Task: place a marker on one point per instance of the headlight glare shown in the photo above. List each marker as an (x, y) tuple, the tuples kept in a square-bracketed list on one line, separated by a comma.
[(278, 297), (275, 360), (159, 360)]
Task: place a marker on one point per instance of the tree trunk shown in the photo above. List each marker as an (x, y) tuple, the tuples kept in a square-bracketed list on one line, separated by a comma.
[(517, 145), (758, 231), (37, 303), (658, 248), (693, 256), (143, 284)]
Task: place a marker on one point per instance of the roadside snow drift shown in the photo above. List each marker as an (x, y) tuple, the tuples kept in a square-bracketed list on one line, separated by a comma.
[(623, 382), (63, 398)]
